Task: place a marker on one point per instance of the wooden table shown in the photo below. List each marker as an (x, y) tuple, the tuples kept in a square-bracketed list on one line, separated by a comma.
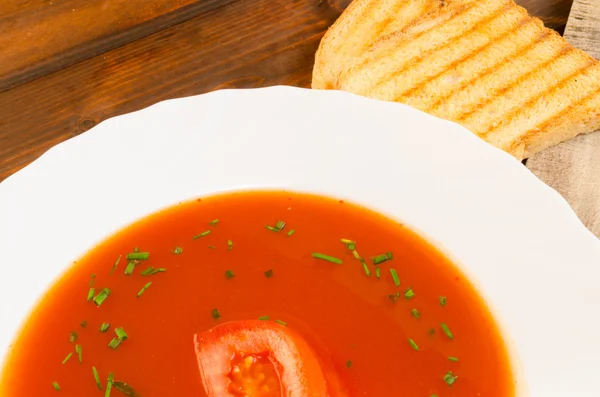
[(66, 65)]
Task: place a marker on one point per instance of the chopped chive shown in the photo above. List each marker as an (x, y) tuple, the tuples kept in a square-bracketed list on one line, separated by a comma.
[(394, 297), (67, 358), (144, 288), (79, 352), (349, 364), (447, 331), (177, 250), (130, 268), (151, 270), (56, 386), (377, 273), (453, 359), (84, 324), (212, 247), (121, 334), (203, 234), (229, 245), (90, 294), (115, 265), (229, 274), (281, 322), (443, 300), (271, 228), (347, 241), (92, 280), (215, 313), (104, 327), (366, 269), (96, 378), (409, 294), (73, 336), (431, 331), (291, 232), (395, 277), (416, 314), (280, 225), (356, 255), (136, 250), (263, 318), (109, 384), (328, 258), (434, 395), (114, 343), (269, 273), (413, 344), (101, 297), (450, 378), (382, 258), (351, 246), (214, 222), (138, 256), (124, 388)]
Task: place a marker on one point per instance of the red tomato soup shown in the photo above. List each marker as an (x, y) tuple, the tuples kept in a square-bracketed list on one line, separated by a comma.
[(261, 294)]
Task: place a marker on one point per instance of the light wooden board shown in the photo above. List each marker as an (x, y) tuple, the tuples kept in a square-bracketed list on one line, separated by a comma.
[(573, 167)]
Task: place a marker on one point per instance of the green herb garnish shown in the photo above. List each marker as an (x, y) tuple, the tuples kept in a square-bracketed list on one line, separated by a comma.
[(79, 352), (395, 277), (447, 331), (109, 384), (138, 256), (413, 344), (67, 358), (409, 294), (104, 327), (450, 378), (213, 222), (90, 294), (382, 258), (263, 318), (151, 270), (203, 234), (377, 273), (92, 280), (291, 232), (394, 297), (431, 331), (416, 314), (229, 245), (229, 274), (124, 388), (56, 386), (121, 334), (443, 300), (212, 247), (130, 268), (215, 313), (101, 297), (349, 364), (281, 322), (269, 273), (115, 265), (114, 343), (177, 250), (328, 258), (144, 288), (280, 225), (366, 269), (96, 378), (453, 359), (73, 336)]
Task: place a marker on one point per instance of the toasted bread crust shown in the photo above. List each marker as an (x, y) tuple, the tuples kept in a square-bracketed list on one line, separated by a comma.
[(489, 66)]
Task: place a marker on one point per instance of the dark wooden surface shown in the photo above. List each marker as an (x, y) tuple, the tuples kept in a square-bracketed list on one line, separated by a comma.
[(66, 65)]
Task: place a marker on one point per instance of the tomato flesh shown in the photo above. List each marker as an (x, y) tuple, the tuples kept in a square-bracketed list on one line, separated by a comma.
[(259, 359)]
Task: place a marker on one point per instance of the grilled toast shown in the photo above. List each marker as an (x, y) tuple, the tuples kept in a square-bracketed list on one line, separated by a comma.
[(489, 66), (361, 24)]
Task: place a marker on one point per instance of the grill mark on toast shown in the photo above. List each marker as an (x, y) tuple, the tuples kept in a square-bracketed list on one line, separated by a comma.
[(465, 58), (507, 118), (520, 52), (432, 51), (564, 51), (375, 57)]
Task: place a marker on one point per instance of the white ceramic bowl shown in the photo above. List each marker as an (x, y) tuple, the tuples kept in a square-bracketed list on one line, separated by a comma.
[(517, 239)]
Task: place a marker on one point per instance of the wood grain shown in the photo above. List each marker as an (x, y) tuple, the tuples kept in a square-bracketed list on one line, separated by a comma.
[(226, 44), (573, 167)]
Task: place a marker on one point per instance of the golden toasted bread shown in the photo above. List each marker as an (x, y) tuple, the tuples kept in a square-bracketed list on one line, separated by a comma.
[(361, 24), (489, 66)]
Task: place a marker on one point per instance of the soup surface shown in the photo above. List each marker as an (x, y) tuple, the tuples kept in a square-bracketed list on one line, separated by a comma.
[(384, 312)]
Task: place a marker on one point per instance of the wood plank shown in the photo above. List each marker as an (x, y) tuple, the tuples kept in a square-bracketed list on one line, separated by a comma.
[(573, 167), (246, 43), (43, 36)]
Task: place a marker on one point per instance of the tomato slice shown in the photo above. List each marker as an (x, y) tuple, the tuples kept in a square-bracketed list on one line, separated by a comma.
[(258, 359)]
